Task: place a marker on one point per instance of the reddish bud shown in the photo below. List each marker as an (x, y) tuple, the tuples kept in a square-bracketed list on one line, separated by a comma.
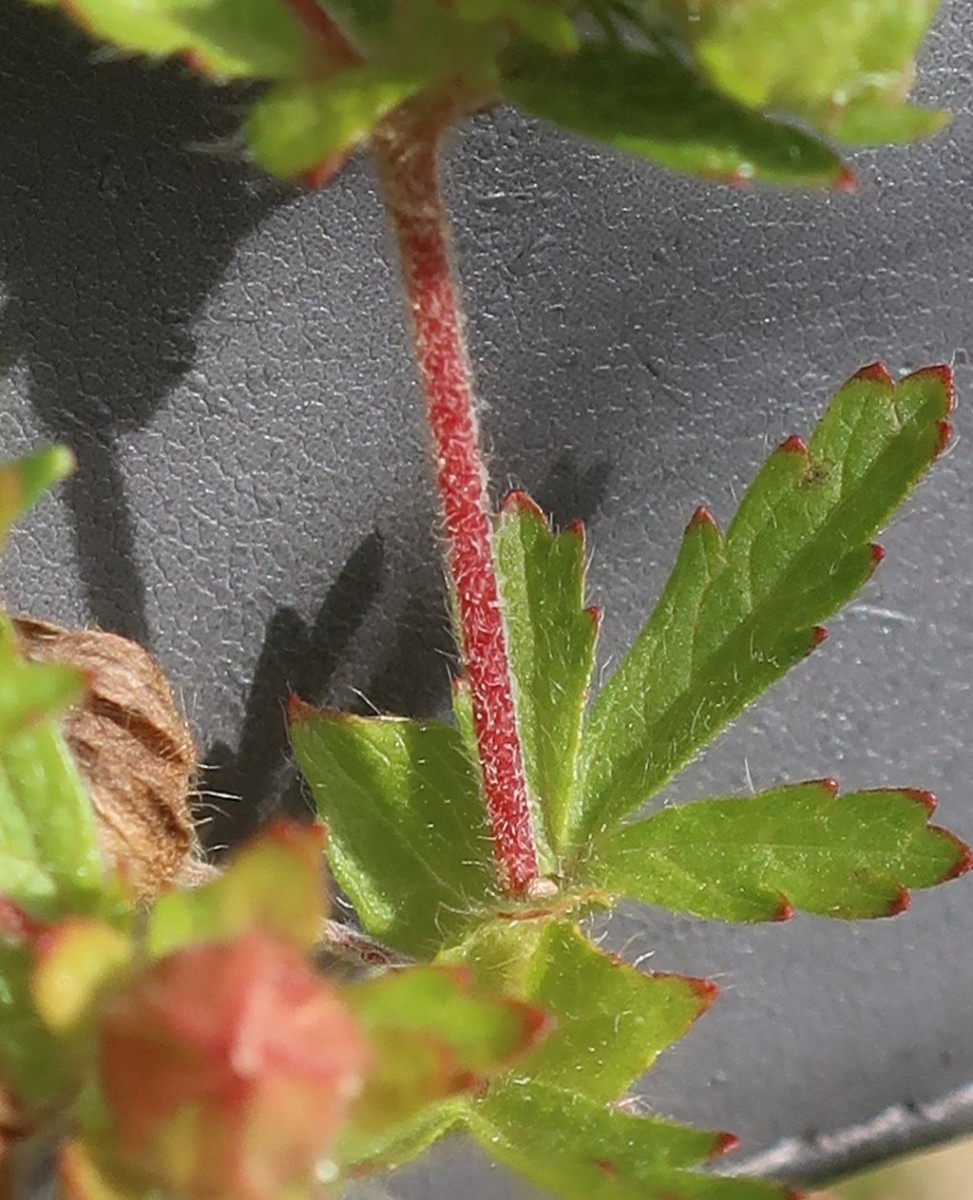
[(784, 911), (227, 1069), (793, 445)]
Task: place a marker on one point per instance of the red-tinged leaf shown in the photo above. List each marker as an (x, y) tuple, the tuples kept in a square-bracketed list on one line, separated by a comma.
[(578, 1149), (551, 647), (611, 1021), (739, 611), (227, 1069), (759, 858), (436, 1038), (274, 883)]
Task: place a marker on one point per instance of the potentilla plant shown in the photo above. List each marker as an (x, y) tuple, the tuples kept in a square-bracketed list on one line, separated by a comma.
[(169, 1028)]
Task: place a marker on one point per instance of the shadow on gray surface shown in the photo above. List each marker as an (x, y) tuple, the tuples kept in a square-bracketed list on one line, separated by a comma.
[(113, 231)]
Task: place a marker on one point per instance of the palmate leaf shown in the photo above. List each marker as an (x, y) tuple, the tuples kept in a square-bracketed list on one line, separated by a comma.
[(568, 1144), (798, 847), (656, 107), (740, 610), (814, 59), (407, 833), (551, 647)]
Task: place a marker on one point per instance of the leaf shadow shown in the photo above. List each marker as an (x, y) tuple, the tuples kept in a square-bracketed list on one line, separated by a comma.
[(296, 658), (114, 230)]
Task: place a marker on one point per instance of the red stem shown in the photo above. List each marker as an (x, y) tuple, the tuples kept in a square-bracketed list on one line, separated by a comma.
[(406, 148)]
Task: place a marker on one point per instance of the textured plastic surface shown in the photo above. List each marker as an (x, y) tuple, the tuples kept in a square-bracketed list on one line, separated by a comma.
[(229, 360)]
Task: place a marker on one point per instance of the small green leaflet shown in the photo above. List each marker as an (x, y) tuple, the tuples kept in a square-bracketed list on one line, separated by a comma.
[(610, 1021), (656, 107), (301, 124), (551, 647), (49, 859), (436, 1038), (225, 39), (407, 833), (579, 1149), (812, 60), (798, 847), (740, 610)]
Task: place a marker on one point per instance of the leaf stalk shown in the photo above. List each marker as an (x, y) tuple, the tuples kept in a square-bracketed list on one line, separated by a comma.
[(406, 148)]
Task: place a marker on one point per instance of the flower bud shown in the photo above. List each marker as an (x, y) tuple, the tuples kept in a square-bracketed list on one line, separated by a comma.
[(227, 1069)]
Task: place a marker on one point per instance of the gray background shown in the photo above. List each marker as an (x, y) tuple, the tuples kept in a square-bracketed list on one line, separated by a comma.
[(228, 358)]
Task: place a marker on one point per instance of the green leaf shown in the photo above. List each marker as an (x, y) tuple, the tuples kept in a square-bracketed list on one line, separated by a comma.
[(812, 59), (257, 39), (797, 847), (435, 1038), (543, 21), (22, 483), (273, 883), (32, 1060), (49, 858), (739, 611), (872, 123), (611, 1021), (551, 646), (656, 107), (569, 1122), (570, 1145), (299, 125), (407, 833)]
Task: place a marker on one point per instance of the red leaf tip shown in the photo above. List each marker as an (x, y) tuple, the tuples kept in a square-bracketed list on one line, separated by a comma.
[(942, 441), (705, 989), (297, 710), (827, 785), (594, 613), (965, 861), (878, 553), (322, 174), (942, 373), (724, 1143), (874, 373), (926, 799), (846, 182), (702, 516), (818, 635), (784, 911), (793, 445), (899, 903), (517, 503)]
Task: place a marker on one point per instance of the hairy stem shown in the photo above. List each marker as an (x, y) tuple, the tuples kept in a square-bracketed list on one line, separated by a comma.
[(406, 147)]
